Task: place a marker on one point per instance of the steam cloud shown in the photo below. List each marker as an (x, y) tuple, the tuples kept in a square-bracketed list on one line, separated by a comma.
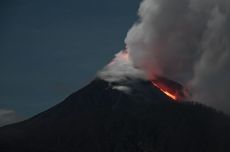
[(8, 117), (187, 41), (184, 40)]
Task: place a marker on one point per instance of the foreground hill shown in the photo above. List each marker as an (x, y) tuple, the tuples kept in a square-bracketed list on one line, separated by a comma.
[(99, 118)]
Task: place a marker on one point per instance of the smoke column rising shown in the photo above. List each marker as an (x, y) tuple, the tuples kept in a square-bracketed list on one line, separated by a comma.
[(187, 41)]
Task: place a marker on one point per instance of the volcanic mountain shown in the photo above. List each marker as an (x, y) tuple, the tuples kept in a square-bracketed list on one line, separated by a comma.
[(102, 117)]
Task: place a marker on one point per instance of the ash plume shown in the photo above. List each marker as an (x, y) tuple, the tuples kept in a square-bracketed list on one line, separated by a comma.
[(187, 41), (120, 69), (184, 40)]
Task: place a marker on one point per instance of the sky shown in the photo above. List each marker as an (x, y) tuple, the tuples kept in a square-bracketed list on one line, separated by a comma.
[(52, 48)]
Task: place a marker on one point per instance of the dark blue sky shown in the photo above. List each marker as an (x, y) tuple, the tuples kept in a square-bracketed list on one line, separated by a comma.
[(51, 48)]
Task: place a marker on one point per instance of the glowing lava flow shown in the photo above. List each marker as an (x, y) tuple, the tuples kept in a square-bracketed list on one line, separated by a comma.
[(172, 96)]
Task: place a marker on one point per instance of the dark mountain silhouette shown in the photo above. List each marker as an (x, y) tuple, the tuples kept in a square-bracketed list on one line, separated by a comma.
[(99, 118)]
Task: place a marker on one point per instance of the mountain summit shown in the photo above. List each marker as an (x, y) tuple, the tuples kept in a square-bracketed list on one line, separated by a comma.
[(128, 116)]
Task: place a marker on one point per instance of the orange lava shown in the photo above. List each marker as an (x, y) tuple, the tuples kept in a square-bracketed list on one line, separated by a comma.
[(171, 95)]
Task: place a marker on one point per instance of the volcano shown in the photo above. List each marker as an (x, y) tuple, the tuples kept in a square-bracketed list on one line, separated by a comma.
[(102, 118)]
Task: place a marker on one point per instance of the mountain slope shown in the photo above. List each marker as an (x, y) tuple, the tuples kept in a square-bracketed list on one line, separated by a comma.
[(102, 119)]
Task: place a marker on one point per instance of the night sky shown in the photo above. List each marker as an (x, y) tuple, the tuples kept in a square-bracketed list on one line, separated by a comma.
[(51, 48)]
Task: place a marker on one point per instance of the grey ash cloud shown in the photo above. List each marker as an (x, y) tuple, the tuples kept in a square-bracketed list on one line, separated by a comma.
[(187, 41)]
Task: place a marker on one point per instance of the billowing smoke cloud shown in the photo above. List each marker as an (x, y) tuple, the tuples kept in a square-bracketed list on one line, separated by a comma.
[(120, 69), (8, 117), (187, 41)]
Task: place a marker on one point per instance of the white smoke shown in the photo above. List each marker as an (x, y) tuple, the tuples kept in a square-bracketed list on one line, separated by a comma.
[(187, 41), (121, 69), (8, 117)]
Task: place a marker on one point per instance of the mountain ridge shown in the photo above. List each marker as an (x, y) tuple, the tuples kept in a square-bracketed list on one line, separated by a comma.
[(101, 118)]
